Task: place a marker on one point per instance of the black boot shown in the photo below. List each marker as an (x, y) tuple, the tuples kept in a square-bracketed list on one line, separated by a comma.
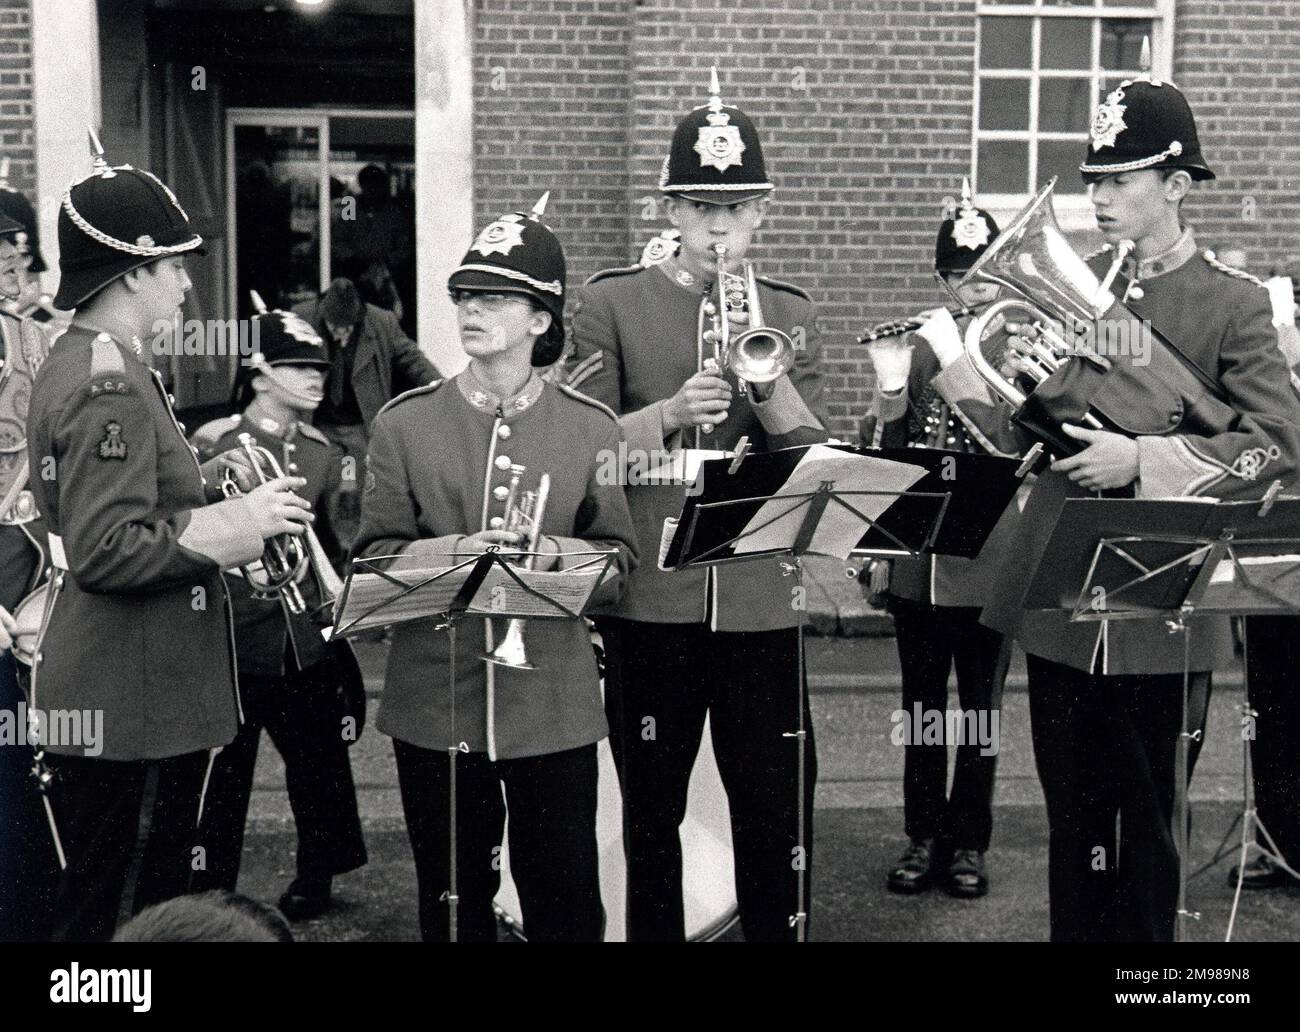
[(913, 871), (305, 898)]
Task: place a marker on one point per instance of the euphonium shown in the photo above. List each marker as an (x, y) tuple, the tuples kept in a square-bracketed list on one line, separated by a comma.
[(283, 557), (1108, 368), (524, 514)]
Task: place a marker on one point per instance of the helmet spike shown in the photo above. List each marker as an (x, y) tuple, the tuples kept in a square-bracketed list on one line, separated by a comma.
[(715, 90), (966, 201), (539, 209), (1144, 61), (100, 166), (259, 306)]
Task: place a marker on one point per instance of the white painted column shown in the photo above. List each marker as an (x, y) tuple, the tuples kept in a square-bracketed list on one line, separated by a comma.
[(66, 101), (444, 167)]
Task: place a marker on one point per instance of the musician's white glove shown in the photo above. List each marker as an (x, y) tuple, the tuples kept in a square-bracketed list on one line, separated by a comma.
[(940, 331), (1281, 295), (893, 363)]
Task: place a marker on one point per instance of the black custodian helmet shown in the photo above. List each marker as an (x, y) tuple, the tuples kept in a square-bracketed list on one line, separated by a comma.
[(517, 254), (283, 339), (1143, 123), (716, 155), (115, 220), (964, 236), (15, 207)]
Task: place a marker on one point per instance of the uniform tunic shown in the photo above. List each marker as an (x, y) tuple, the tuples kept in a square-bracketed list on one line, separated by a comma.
[(439, 470), (141, 629), (636, 336), (23, 347), (1223, 324)]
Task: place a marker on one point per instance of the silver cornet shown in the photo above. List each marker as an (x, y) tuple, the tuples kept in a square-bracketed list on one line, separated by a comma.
[(760, 354), (285, 557), (524, 514)]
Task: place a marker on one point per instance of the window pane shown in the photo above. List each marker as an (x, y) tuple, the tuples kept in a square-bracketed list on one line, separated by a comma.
[(1121, 42), (1003, 167), (1068, 3), (1067, 43), (1005, 42), (1062, 158), (1063, 105), (1004, 103)]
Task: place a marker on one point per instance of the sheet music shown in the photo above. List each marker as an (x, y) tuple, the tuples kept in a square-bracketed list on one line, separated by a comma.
[(501, 594), (839, 529), (372, 591)]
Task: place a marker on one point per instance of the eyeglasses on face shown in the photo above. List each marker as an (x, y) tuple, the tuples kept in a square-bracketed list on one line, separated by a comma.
[(491, 302)]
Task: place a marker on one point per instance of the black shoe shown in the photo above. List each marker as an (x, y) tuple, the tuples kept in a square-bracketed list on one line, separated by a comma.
[(1260, 873), (966, 878), (305, 899), (913, 871)]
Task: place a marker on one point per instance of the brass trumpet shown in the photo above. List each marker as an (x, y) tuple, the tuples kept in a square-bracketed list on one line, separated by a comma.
[(286, 557), (524, 514), (760, 354)]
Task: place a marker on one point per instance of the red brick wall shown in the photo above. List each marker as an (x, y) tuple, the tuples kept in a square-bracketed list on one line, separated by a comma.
[(551, 113), (865, 111), (1239, 64), (16, 132)]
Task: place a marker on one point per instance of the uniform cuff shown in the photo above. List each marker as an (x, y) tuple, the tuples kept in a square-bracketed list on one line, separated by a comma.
[(1167, 468), (223, 532), (644, 429), (785, 411)]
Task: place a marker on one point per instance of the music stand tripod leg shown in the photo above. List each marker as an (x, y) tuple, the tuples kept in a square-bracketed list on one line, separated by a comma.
[(799, 919), (1182, 764)]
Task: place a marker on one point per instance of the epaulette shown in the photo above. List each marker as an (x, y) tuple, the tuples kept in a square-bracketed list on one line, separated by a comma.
[(579, 396), (1214, 262), (660, 248), (428, 388), (107, 367), (213, 431), (790, 288), (311, 433), (624, 270)]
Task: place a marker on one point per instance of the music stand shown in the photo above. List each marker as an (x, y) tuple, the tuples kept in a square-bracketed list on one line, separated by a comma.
[(1173, 559), (740, 508), (484, 585)]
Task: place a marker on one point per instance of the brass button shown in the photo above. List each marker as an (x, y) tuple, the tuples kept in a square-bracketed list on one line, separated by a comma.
[(503, 462), (503, 432), (181, 425), (497, 522), (501, 492), (293, 469), (1137, 293)]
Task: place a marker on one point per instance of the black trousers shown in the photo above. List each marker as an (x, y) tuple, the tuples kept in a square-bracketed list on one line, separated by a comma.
[(553, 852), (29, 865), (931, 639), (660, 682), (301, 713), (1273, 653), (128, 832), (1105, 748)]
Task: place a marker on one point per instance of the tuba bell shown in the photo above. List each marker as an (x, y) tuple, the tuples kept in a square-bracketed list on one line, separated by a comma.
[(1096, 362)]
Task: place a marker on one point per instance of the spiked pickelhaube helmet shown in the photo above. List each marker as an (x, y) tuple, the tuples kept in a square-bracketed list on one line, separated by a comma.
[(964, 235), (115, 220), (1143, 123), (716, 156), (518, 254)]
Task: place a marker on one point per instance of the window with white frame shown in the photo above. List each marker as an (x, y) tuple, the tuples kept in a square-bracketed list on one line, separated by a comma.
[(1041, 69)]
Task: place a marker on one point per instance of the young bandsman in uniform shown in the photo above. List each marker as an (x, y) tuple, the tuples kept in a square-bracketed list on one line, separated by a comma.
[(291, 682), (1106, 697), (441, 462), (723, 642), (28, 866), (139, 639), (922, 401)]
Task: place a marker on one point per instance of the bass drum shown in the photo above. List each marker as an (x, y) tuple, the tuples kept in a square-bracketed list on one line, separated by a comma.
[(708, 871)]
